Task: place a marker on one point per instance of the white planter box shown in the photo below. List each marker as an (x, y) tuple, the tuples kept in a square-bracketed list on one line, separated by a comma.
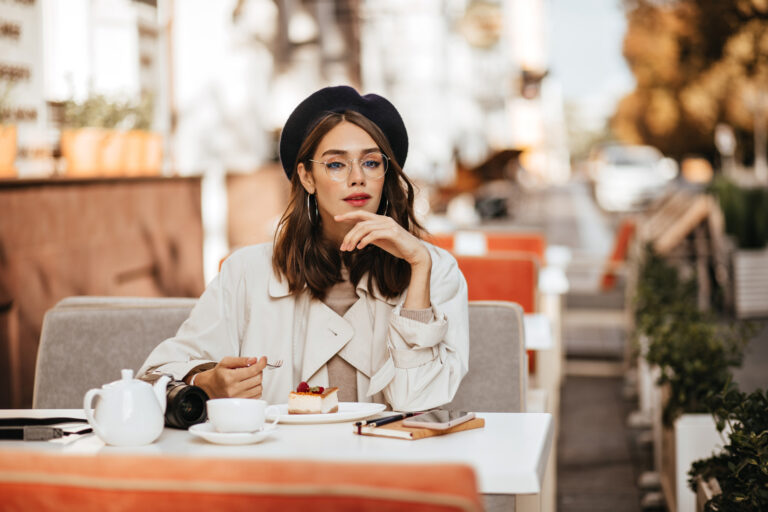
[(750, 282), (694, 437)]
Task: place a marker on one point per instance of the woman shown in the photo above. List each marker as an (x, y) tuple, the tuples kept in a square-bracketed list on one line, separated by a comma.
[(348, 295)]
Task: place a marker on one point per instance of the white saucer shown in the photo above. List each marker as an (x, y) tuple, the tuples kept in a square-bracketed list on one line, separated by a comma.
[(207, 432)]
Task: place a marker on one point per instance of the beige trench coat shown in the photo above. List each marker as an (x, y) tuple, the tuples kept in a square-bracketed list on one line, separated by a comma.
[(247, 310)]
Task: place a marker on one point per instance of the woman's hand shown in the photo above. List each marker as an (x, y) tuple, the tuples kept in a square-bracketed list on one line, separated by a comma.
[(390, 236), (383, 232), (233, 377)]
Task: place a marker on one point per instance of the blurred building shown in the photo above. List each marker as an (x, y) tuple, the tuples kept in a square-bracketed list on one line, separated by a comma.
[(469, 76)]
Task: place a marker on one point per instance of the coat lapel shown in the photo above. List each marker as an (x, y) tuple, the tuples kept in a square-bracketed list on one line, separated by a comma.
[(326, 334), (321, 333), (358, 351)]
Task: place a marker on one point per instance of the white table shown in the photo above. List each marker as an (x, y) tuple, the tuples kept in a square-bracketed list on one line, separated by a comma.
[(509, 455)]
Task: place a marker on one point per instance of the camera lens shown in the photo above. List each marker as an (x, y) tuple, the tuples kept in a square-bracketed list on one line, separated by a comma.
[(185, 405)]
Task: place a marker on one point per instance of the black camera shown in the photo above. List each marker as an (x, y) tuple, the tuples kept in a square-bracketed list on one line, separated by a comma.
[(184, 404)]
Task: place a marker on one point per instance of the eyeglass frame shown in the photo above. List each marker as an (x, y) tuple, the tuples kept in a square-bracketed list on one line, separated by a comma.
[(350, 162)]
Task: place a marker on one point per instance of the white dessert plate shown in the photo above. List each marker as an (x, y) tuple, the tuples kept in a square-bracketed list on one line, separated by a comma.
[(209, 433), (348, 411)]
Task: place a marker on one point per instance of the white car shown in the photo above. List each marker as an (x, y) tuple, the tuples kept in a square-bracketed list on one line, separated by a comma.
[(627, 178)]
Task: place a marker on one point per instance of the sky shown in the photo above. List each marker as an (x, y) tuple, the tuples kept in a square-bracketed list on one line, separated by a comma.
[(585, 51)]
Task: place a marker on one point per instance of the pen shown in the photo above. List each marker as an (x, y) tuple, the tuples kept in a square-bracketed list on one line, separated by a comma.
[(383, 421)]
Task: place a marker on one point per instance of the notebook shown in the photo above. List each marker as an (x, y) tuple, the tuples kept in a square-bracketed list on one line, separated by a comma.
[(397, 430)]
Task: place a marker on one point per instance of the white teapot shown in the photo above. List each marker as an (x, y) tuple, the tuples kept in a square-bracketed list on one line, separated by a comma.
[(129, 412)]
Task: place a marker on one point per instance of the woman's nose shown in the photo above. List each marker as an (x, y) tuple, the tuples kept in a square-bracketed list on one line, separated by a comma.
[(356, 174)]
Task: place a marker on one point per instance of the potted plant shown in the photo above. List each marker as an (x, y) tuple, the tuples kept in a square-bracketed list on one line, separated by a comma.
[(8, 144), (736, 479), (144, 154), (88, 142), (693, 353), (745, 210), (110, 137), (656, 290)]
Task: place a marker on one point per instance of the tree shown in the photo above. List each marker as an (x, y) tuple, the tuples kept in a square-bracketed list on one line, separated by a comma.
[(695, 63)]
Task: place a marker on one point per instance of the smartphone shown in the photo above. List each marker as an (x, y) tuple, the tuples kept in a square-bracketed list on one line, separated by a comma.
[(438, 420)]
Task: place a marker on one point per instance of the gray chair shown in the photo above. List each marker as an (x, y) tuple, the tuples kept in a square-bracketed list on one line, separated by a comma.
[(497, 377), (86, 341)]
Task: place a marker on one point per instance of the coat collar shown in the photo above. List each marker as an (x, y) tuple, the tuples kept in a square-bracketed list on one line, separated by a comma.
[(278, 288)]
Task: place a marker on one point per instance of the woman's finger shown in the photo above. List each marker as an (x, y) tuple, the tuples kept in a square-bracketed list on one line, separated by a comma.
[(254, 392), (397, 242), (354, 235), (379, 233), (380, 222), (357, 215), (249, 383), (346, 242), (236, 362)]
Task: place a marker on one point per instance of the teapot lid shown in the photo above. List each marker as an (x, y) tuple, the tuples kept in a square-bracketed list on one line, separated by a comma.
[(126, 381)]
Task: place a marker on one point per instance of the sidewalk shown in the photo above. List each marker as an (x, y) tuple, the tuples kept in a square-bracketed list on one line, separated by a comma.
[(597, 467), (599, 458)]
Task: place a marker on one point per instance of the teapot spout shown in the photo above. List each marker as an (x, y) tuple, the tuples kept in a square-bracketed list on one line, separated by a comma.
[(160, 390)]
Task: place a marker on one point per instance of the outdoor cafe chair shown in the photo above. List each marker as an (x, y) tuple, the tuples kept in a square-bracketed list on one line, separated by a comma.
[(123, 481), (496, 381), (86, 341)]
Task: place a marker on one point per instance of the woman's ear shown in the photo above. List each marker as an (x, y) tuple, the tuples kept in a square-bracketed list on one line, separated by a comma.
[(307, 180)]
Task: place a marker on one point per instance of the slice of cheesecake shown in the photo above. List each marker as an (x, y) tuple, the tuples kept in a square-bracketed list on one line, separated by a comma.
[(315, 400)]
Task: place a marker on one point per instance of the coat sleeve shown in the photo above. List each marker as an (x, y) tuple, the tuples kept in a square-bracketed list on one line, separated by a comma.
[(212, 330), (428, 360)]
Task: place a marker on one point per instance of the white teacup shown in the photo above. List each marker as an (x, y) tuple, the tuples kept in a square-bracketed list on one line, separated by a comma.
[(239, 414)]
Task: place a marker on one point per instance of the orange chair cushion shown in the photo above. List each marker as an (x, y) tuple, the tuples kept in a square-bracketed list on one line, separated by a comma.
[(532, 242), (48, 482), (501, 276), (620, 251), (520, 242)]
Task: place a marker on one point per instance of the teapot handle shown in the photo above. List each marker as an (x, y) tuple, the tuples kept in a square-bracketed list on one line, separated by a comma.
[(89, 396)]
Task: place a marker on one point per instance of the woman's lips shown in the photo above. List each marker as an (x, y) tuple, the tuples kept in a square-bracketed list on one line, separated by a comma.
[(357, 199)]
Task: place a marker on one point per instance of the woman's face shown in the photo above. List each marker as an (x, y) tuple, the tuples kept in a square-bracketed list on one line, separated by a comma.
[(344, 142)]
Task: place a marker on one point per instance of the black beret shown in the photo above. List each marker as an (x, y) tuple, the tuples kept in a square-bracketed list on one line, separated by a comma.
[(340, 99)]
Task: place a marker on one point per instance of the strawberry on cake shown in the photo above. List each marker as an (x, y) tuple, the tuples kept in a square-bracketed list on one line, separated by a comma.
[(313, 400)]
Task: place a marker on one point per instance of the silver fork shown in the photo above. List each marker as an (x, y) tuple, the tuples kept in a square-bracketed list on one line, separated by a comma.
[(276, 364)]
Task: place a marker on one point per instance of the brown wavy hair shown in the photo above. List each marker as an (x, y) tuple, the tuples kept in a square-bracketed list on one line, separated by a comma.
[(304, 257)]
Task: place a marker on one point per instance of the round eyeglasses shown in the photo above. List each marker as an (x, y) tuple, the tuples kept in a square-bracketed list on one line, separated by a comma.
[(374, 166)]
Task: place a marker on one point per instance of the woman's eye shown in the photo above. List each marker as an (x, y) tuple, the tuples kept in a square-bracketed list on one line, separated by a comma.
[(334, 166), (371, 164)]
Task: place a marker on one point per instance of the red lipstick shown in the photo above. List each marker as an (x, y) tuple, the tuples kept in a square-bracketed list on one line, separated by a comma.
[(357, 199)]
